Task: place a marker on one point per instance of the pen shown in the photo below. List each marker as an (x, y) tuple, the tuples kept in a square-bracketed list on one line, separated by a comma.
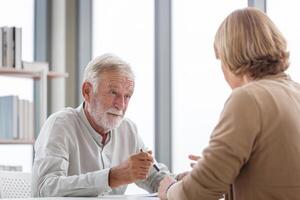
[(154, 164)]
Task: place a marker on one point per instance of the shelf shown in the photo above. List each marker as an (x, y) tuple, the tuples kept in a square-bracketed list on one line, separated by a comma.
[(18, 72), (24, 73), (39, 72), (52, 74), (16, 141)]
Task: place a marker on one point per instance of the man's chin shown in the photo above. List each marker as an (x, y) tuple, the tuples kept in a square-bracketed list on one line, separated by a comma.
[(114, 125)]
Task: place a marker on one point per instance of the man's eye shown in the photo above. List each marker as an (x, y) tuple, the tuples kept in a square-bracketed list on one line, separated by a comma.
[(127, 96), (113, 92)]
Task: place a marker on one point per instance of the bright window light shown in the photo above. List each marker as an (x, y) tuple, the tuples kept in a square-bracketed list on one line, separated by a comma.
[(19, 13), (126, 28), (285, 15), (199, 89)]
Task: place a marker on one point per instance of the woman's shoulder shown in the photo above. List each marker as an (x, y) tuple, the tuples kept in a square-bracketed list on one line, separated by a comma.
[(255, 87), (259, 92), (251, 94)]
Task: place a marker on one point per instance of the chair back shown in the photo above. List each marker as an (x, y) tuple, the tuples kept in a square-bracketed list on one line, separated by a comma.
[(15, 184)]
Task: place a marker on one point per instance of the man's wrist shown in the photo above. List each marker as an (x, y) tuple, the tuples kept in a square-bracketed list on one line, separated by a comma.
[(117, 176), (168, 188), (113, 178), (110, 178)]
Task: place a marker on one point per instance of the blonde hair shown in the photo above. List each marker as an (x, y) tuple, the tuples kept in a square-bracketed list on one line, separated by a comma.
[(102, 64), (249, 43)]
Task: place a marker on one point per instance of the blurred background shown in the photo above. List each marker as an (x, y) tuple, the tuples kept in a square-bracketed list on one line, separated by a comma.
[(180, 90)]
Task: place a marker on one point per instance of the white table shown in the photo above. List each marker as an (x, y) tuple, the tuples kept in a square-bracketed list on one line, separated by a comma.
[(117, 197)]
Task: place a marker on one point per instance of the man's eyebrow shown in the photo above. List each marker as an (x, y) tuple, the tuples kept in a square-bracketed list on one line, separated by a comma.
[(130, 92)]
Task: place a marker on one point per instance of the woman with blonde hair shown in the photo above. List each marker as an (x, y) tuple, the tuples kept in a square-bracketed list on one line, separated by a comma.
[(254, 150)]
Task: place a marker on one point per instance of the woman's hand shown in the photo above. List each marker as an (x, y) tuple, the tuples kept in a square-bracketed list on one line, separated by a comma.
[(194, 158), (180, 176)]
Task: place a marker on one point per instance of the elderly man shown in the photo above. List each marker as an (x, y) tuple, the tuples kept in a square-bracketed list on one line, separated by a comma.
[(92, 150)]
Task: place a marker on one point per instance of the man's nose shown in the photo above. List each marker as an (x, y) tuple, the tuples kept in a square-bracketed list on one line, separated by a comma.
[(120, 103)]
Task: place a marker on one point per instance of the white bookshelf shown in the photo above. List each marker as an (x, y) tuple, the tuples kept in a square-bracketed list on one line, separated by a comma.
[(40, 75)]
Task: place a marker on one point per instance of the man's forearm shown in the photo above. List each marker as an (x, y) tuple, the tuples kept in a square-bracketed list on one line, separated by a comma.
[(72, 186)]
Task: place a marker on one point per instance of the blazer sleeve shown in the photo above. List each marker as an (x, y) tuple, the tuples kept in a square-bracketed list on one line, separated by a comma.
[(229, 148)]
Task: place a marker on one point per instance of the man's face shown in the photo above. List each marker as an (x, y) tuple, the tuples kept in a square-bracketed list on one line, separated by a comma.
[(108, 105)]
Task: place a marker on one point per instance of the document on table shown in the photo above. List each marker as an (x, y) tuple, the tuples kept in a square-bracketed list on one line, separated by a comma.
[(132, 196)]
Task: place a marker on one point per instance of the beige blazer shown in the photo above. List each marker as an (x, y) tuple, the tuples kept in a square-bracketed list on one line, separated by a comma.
[(255, 146)]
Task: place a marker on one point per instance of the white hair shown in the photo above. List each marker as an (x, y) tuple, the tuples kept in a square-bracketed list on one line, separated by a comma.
[(105, 63)]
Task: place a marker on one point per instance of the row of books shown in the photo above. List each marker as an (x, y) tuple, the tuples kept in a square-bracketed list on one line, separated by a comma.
[(10, 47), (16, 118)]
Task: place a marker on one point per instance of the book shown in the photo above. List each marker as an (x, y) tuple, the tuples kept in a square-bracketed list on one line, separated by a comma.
[(21, 119), (11, 47), (31, 120), (17, 47), (8, 47), (2, 118), (1, 47), (9, 117), (4, 46)]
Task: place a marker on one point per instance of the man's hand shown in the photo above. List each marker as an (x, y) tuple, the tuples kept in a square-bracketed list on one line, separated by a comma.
[(164, 185), (136, 167)]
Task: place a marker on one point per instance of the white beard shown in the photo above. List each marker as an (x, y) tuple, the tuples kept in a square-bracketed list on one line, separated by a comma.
[(107, 119)]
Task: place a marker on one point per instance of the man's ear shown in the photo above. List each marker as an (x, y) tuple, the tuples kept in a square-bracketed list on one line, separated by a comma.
[(87, 91)]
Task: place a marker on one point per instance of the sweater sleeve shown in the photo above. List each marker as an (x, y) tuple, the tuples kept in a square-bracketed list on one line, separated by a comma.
[(151, 183), (50, 169), (230, 147)]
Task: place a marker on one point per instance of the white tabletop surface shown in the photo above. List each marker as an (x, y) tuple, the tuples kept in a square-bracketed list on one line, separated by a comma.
[(88, 198), (108, 197)]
